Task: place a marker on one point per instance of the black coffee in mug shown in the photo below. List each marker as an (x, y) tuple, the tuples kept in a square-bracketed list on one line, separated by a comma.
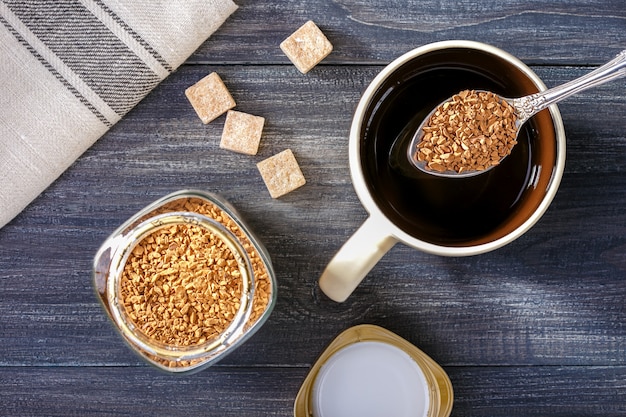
[(457, 211), (443, 216)]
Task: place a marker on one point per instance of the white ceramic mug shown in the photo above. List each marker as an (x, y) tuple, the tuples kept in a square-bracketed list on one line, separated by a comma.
[(428, 215)]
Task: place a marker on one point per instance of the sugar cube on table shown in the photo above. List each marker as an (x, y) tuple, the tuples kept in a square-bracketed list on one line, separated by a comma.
[(306, 47), (210, 98), (242, 132), (281, 173)]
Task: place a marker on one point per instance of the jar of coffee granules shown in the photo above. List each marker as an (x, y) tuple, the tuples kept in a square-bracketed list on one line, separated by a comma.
[(185, 281)]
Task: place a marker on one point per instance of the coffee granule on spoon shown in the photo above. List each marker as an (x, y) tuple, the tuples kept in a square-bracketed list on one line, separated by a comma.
[(470, 132)]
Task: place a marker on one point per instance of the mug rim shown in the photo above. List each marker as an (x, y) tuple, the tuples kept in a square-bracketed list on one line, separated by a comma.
[(357, 174)]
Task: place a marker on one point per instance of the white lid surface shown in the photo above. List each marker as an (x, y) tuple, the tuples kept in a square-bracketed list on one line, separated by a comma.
[(370, 379)]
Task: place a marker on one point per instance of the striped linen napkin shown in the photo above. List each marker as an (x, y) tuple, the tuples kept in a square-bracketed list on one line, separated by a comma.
[(70, 69)]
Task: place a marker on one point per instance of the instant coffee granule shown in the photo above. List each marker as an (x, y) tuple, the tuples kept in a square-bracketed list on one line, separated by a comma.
[(181, 285), (471, 132)]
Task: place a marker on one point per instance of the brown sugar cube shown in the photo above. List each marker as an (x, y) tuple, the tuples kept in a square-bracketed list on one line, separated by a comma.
[(306, 47), (210, 98), (281, 173), (242, 132)]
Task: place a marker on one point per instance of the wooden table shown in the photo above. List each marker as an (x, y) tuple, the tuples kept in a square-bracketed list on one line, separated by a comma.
[(535, 328)]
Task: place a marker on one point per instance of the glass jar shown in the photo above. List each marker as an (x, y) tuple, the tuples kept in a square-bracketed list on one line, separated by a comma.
[(164, 302)]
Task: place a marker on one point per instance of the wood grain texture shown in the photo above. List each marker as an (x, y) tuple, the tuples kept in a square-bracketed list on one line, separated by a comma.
[(535, 328), (260, 392), (577, 32)]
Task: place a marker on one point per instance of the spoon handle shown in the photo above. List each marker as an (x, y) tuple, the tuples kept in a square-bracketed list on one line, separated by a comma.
[(530, 105)]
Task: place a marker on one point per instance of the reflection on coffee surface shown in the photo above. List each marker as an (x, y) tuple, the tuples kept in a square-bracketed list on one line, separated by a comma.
[(452, 212)]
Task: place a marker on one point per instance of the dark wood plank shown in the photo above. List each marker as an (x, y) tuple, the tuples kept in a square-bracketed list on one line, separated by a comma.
[(574, 32), (539, 391), (251, 392)]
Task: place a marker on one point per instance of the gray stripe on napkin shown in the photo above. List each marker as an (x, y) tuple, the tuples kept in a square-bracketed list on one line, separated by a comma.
[(54, 72), (86, 46), (147, 47)]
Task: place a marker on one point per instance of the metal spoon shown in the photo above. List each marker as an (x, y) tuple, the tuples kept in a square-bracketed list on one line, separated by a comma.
[(525, 108)]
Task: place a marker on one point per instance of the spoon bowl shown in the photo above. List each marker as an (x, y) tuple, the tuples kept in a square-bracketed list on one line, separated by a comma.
[(522, 109)]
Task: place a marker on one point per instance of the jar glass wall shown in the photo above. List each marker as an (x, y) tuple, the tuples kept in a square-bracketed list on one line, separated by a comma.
[(183, 311)]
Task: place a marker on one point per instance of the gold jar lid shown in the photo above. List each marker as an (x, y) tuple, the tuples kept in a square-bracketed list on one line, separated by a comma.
[(367, 368)]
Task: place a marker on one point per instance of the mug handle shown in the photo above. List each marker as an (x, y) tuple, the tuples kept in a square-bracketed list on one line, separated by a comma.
[(355, 259)]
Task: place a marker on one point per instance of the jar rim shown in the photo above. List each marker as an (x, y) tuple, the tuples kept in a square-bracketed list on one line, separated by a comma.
[(159, 349)]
